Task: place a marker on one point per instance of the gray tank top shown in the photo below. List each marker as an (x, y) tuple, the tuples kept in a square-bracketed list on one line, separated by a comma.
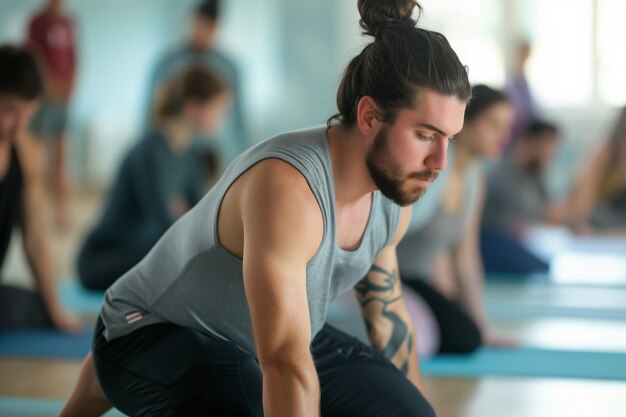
[(420, 246), (190, 280)]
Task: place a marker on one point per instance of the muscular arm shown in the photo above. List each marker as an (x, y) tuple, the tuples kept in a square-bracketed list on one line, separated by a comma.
[(388, 322), (282, 226), (34, 229)]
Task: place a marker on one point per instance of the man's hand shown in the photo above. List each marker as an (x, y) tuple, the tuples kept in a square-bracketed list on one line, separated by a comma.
[(65, 322)]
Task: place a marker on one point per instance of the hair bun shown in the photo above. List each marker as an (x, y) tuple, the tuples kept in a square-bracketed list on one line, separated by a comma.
[(376, 15)]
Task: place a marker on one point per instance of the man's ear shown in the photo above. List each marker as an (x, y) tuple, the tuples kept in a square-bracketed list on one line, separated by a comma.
[(368, 116)]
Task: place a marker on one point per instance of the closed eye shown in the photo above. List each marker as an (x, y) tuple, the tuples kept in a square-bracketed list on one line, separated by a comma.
[(424, 137)]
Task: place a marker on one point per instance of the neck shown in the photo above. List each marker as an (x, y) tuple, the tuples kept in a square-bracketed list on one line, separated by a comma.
[(348, 150), (177, 134)]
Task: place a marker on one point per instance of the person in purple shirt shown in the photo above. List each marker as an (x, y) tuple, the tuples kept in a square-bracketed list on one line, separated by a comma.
[(518, 91)]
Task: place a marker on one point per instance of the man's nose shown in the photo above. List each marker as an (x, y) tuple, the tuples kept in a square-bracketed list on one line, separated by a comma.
[(438, 157)]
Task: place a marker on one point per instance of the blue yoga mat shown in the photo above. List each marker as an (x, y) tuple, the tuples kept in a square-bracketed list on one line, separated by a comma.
[(560, 279), (49, 343), (45, 343), (33, 407), (508, 309), (77, 299), (529, 363)]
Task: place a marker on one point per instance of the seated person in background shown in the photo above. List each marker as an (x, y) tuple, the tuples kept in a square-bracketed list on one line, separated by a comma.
[(200, 48), (439, 257), (516, 192), (598, 199), (159, 180), (22, 196)]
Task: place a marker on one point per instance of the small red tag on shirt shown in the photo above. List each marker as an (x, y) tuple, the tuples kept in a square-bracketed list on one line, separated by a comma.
[(133, 317)]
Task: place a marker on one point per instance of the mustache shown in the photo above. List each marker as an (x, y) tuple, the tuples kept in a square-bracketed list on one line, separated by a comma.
[(426, 175)]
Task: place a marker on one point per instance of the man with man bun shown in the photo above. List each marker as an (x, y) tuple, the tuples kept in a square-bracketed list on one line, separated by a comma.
[(226, 315)]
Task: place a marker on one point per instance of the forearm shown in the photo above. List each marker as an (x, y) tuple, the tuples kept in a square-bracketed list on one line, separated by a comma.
[(401, 347), (35, 243), (414, 375), (38, 256), (388, 321), (291, 390)]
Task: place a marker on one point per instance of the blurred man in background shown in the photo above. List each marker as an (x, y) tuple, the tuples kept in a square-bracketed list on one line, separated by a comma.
[(200, 49), (51, 37), (22, 195), (517, 193)]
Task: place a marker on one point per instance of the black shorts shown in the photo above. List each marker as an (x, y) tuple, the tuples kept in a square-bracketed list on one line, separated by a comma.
[(167, 370)]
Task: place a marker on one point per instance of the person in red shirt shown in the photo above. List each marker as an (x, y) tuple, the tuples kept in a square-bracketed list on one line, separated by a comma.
[(51, 37)]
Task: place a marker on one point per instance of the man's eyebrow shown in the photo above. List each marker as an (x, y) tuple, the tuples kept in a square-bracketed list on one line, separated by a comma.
[(435, 129)]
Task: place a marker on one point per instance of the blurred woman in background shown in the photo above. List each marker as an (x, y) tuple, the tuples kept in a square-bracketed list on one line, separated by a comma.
[(159, 180), (439, 257), (598, 200)]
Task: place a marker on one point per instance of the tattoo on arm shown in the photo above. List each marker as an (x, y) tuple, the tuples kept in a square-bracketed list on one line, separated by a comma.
[(383, 293)]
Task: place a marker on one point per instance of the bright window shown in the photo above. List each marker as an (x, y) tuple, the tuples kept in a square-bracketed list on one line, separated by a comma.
[(560, 68), (611, 51), (474, 29)]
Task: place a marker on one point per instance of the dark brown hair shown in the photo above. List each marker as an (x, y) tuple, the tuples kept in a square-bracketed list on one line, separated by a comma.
[(537, 130), (483, 97), (19, 74), (194, 83), (400, 61), (208, 9)]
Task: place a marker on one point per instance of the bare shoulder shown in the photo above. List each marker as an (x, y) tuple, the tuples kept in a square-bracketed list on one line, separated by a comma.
[(279, 205), (277, 171), (277, 178)]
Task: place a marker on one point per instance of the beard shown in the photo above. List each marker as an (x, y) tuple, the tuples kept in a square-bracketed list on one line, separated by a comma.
[(386, 172)]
